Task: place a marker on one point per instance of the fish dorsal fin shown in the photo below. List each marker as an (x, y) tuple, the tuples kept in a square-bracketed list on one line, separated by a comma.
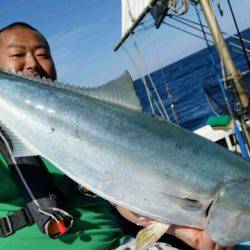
[(150, 234), (120, 91)]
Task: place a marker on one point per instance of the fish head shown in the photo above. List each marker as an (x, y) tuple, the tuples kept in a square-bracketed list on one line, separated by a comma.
[(228, 216)]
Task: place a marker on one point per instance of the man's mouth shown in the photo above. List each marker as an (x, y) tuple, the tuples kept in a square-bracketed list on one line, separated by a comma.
[(35, 74)]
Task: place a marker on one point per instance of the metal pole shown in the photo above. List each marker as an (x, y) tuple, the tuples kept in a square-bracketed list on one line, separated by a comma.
[(224, 53), (232, 72)]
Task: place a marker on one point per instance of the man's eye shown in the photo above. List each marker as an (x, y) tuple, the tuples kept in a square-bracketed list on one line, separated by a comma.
[(18, 55), (43, 55)]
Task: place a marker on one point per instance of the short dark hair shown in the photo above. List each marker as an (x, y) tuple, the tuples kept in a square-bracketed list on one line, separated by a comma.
[(25, 25)]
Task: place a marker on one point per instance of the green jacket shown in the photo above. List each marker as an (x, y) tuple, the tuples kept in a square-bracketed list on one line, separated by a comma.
[(94, 225)]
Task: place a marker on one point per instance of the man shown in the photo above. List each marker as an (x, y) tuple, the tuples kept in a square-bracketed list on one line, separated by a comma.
[(22, 48)]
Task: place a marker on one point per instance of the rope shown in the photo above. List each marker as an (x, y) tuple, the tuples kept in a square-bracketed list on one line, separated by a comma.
[(187, 24), (203, 25), (145, 27), (149, 96), (169, 95), (139, 59), (180, 7), (210, 104), (170, 98), (207, 33), (139, 56), (240, 52), (238, 46), (185, 31)]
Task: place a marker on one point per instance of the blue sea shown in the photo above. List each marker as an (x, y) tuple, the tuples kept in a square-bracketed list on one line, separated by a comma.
[(193, 84)]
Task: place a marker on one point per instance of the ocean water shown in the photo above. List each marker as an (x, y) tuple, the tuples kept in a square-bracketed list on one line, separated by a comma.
[(193, 85)]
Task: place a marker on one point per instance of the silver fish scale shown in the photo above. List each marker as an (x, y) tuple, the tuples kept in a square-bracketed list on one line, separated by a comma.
[(133, 159)]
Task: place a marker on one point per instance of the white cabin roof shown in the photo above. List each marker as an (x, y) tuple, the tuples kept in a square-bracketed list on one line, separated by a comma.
[(211, 134)]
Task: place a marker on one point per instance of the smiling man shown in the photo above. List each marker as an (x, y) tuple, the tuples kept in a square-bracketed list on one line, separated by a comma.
[(22, 48)]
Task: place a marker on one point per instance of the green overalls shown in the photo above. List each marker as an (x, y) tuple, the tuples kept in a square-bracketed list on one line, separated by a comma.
[(94, 225)]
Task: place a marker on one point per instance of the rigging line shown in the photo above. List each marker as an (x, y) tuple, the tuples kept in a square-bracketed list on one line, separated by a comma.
[(143, 73), (239, 34), (147, 20), (238, 46), (214, 64), (145, 24), (169, 94), (170, 98), (139, 56), (205, 26), (240, 52), (148, 27), (185, 31), (207, 33), (155, 102), (144, 8), (149, 95), (210, 104), (189, 25)]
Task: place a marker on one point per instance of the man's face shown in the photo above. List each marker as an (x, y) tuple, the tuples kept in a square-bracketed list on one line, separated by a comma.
[(23, 49)]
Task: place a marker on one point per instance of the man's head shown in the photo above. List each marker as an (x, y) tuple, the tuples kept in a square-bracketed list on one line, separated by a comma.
[(23, 48)]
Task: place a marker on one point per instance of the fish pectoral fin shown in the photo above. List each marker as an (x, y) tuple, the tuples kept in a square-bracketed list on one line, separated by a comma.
[(149, 235), (15, 143)]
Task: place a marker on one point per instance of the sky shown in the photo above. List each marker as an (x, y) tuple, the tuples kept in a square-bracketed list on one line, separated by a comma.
[(82, 35)]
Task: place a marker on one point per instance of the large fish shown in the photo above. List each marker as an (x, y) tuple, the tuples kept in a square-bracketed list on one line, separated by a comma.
[(101, 139)]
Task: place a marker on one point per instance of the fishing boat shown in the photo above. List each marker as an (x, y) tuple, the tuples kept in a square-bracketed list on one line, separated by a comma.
[(225, 133), (231, 129)]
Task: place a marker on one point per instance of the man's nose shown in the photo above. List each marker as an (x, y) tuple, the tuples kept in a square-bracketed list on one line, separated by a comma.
[(31, 62)]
